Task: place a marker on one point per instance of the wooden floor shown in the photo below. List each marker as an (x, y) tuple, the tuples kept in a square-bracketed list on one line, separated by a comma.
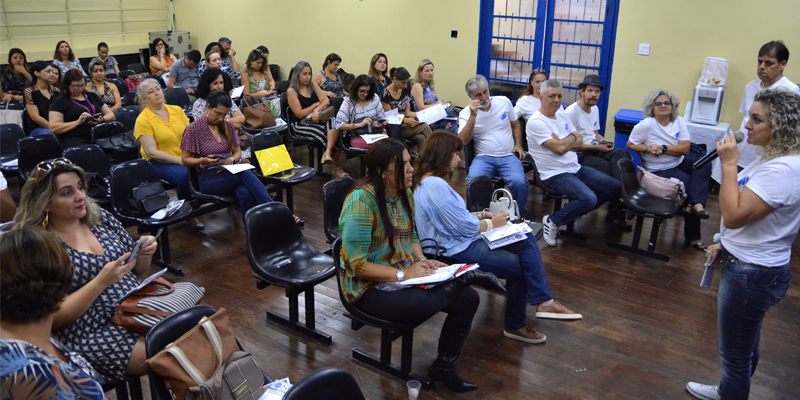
[(648, 327)]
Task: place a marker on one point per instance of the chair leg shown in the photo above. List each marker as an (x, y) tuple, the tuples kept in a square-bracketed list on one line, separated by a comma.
[(293, 322), (135, 386), (384, 364), (637, 233), (570, 231), (363, 169), (122, 391), (290, 198), (165, 260)]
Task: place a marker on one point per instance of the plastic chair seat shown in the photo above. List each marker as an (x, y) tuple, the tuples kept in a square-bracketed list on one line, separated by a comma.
[(194, 189), (326, 384)]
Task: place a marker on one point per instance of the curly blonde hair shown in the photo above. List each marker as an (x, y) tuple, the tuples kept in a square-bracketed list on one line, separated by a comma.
[(784, 116), (649, 104)]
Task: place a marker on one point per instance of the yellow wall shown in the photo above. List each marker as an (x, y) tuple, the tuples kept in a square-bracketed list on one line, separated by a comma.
[(308, 30), (682, 33)]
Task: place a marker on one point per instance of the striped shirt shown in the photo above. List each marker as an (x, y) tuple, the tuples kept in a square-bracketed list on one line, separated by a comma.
[(364, 239)]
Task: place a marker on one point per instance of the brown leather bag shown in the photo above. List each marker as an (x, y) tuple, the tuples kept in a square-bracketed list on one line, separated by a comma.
[(258, 115), (239, 378), (205, 347), (150, 304)]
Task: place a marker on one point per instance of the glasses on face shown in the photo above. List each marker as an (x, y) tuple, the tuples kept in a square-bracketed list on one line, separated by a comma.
[(79, 86), (44, 166), (360, 91), (663, 104)]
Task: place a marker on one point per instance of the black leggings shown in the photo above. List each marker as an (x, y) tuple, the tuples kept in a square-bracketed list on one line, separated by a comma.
[(416, 305)]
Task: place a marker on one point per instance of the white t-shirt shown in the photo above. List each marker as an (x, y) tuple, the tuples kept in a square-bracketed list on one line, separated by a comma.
[(539, 130), (768, 241), (492, 133), (748, 151), (648, 131), (3, 182), (585, 124), (526, 106)]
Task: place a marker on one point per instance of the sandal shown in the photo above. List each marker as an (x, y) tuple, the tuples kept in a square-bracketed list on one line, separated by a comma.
[(299, 221), (326, 159), (339, 173), (699, 246), (702, 214)]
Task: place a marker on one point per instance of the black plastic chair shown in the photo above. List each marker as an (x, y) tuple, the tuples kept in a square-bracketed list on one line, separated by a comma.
[(124, 178), (194, 189), (106, 130), (351, 152), (314, 149), (326, 384), (10, 134), (121, 387), (479, 194), (275, 70), (281, 87), (285, 180), (127, 116), (281, 256), (137, 68), (178, 97), (390, 331), (35, 149), (333, 195), (124, 74), (121, 87), (113, 128), (642, 205), (557, 197), (91, 158)]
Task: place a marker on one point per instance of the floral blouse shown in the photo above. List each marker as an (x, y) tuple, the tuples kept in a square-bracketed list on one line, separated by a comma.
[(227, 68), (74, 64), (364, 238)]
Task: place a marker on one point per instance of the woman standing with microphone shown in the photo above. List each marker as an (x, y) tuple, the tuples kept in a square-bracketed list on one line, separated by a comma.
[(760, 219)]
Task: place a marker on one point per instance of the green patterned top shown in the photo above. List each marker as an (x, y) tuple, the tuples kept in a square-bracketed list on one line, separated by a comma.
[(364, 240)]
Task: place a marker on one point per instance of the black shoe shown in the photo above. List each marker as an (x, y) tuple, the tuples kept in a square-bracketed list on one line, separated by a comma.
[(621, 224), (444, 370), (483, 279)]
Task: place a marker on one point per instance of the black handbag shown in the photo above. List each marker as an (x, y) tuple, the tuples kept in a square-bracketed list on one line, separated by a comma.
[(364, 130), (97, 187), (147, 198), (119, 148)]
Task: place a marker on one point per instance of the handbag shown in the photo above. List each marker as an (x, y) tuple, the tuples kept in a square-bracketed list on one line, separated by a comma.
[(205, 347), (245, 139), (274, 159), (238, 378), (119, 148), (664, 188), (505, 204), (158, 299), (97, 187), (147, 198), (364, 130), (257, 115), (326, 114)]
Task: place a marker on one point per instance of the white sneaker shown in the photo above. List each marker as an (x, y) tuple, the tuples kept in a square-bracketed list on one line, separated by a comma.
[(550, 231), (705, 392)]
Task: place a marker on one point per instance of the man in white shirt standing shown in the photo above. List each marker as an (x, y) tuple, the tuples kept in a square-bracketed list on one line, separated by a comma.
[(490, 121), (772, 59), (595, 152), (552, 141)]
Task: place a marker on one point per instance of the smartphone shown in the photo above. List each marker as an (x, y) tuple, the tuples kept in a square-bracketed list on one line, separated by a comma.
[(139, 245), (220, 157), (98, 115)]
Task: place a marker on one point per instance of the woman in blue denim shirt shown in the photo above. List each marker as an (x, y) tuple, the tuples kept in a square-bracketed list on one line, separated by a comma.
[(760, 218)]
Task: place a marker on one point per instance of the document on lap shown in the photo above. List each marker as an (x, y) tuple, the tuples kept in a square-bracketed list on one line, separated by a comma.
[(432, 114), (442, 274), (236, 168), (505, 235)]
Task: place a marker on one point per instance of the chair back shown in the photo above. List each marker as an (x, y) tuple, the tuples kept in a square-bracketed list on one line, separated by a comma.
[(35, 149), (479, 193), (260, 141), (281, 87), (326, 384), (523, 127), (333, 195), (277, 249), (91, 158), (469, 154), (137, 68), (124, 74), (629, 179), (275, 71), (126, 176), (177, 97), (121, 87), (106, 130), (10, 134), (539, 182), (127, 116), (165, 332)]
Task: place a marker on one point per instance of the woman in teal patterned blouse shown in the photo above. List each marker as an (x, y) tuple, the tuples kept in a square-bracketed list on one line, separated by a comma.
[(380, 244)]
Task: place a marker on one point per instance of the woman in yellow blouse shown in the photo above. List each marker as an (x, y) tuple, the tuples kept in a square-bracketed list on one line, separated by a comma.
[(380, 245), (159, 129)]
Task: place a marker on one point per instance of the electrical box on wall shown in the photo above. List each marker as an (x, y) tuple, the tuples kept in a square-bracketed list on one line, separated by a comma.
[(644, 49)]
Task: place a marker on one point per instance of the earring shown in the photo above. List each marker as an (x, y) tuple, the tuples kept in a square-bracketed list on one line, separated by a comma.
[(46, 219)]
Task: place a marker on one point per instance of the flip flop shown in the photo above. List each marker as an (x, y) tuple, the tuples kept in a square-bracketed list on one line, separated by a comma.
[(699, 246)]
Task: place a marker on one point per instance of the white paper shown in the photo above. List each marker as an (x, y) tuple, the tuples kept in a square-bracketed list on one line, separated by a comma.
[(505, 235), (393, 117), (237, 92), (432, 114), (374, 137), (441, 275), (236, 168), (276, 390)]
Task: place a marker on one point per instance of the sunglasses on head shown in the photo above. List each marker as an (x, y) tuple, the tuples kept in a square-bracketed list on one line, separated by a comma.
[(45, 166)]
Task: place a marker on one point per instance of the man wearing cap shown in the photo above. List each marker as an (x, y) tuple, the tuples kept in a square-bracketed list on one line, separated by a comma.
[(594, 151)]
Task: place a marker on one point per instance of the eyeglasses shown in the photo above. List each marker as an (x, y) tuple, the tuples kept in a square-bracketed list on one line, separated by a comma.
[(44, 166), (363, 91), (663, 104), (78, 86)]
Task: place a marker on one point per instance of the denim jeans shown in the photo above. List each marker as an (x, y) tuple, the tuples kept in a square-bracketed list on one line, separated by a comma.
[(510, 169), (174, 174), (40, 131), (587, 190), (521, 265), (249, 191), (746, 292)]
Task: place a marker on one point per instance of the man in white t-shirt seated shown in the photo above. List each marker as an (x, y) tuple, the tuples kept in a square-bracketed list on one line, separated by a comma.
[(490, 121), (772, 59), (552, 141), (595, 152)]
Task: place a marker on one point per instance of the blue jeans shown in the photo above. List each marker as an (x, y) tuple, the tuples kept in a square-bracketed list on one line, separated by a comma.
[(249, 191), (521, 265), (174, 174), (586, 189), (746, 292), (40, 131), (510, 169)]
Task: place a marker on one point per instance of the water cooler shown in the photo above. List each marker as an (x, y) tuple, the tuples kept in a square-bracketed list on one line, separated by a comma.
[(709, 92)]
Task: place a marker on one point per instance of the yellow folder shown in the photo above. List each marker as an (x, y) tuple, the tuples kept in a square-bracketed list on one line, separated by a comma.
[(274, 159)]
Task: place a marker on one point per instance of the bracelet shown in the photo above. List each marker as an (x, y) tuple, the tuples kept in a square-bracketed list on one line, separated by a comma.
[(489, 225), (483, 215), (423, 258)]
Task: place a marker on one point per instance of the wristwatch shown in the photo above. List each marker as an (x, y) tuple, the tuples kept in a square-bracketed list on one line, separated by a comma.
[(400, 275), (663, 148)]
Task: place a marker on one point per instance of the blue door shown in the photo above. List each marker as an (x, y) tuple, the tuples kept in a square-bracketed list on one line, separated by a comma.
[(567, 38)]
